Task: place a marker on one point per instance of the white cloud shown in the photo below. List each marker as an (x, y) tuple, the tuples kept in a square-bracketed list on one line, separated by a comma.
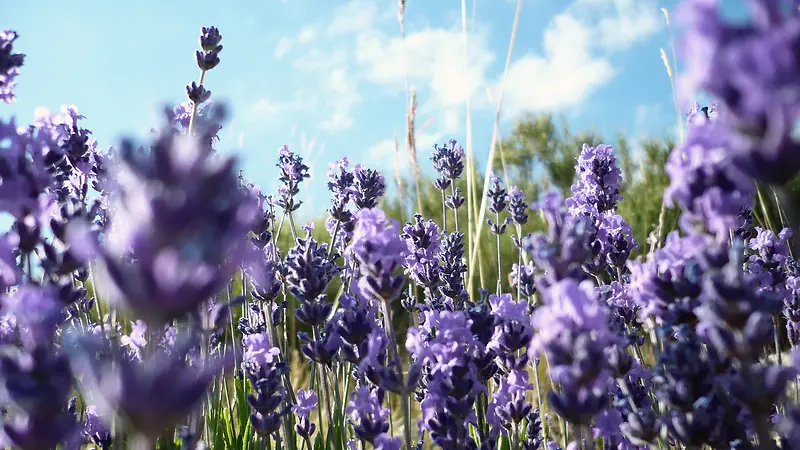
[(283, 47), (266, 110), (307, 34), (383, 157), (576, 61), (343, 97)]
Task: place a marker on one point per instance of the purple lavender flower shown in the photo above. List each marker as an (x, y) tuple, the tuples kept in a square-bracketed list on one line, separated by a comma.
[(573, 332), (616, 238), (306, 404), (517, 208), (734, 313), (424, 244), (744, 66), (368, 187), (210, 39), (524, 278), (444, 345), (37, 312), (448, 160), (452, 265), (9, 65), (185, 250), (308, 271), (564, 249), (513, 332), (668, 284), (710, 190), (96, 429), (599, 178), (38, 384), (378, 249), (149, 396), (293, 172), (265, 370), (497, 196), (509, 406), (368, 418), (768, 263)]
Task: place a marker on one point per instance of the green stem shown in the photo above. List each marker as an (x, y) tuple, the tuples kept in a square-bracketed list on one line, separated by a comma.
[(193, 117), (387, 317)]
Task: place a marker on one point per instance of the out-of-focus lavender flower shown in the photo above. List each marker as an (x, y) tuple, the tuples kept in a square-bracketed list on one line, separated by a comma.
[(513, 332), (424, 244), (135, 341), (699, 115), (182, 217), (293, 172), (148, 396), (599, 178), (38, 383), (306, 404), (564, 249), (96, 429), (10, 63), (37, 312), (378, 249), (524, 278), (509, 406), (448, 160), (368, 418), (745, 66), (768, 263), (368, 187), (734, 313), (705, 183), (573, 332)]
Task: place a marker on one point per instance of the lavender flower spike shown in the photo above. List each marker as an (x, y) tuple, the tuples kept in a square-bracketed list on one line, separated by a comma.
[(9, 65), (182, 217)]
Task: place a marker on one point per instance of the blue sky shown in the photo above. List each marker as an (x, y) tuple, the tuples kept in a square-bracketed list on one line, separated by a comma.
[(327, 77)]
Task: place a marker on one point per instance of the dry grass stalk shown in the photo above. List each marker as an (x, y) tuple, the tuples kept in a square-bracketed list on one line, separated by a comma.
[(398, 176), (495, 132), (411, 145)]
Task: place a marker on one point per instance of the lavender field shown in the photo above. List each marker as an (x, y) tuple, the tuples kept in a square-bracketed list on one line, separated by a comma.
[(561, 291)]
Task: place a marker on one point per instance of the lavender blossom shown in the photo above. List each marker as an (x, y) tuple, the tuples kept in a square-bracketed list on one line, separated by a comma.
[(306, 404), (562, 251), (96, 429), (599, 179), (308, 271), (705, 183), (517, 208), (424, 245), (573, 332), (292, 173), (368, 187), (265, 371), (743, 66), (448, 161), (10, 63), (378, 249), (368, 417), (210, 39), (149, 396)]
